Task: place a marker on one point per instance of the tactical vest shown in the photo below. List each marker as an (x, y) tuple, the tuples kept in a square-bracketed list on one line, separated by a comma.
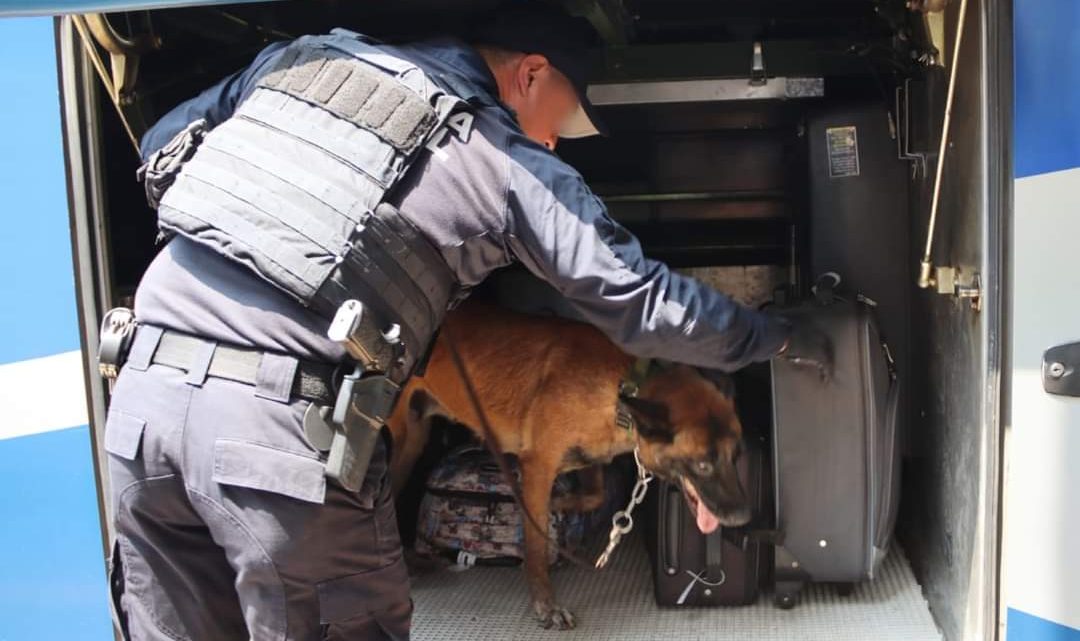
[(293, 185)]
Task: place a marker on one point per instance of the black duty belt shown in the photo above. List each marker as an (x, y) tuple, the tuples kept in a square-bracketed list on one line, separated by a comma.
[(313, 381)]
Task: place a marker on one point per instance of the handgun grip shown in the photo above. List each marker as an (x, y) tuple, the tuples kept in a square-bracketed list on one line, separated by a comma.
[(360, 337)]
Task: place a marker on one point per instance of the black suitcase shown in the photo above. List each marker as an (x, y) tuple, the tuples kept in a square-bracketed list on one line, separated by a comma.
[(726, 567), (835, 452)]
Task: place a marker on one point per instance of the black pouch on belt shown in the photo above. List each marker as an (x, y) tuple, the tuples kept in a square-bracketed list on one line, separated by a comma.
[(117, 333), (160, 170)]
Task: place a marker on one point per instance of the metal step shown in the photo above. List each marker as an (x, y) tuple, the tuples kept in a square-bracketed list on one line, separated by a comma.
[(490, 604)]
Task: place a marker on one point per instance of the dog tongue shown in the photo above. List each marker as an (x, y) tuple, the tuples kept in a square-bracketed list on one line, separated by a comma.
[(707, 522)]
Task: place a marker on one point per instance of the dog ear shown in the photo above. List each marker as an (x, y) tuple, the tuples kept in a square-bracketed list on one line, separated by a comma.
[(651, 419), (723, 382)]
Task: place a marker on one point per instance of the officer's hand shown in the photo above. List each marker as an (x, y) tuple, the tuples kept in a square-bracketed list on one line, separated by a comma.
[(808, 346)]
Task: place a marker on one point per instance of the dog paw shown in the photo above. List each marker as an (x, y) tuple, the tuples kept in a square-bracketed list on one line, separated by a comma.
[(552, 616)]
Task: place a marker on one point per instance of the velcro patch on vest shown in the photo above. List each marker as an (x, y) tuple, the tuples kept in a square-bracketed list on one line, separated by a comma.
[(355, 91)]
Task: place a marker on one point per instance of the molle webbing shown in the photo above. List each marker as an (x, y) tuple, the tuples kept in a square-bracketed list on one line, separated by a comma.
[(293, 185), (361, 94), (399, 272)]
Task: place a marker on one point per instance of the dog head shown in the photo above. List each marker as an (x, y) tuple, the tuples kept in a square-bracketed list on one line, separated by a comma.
[(689, 433)]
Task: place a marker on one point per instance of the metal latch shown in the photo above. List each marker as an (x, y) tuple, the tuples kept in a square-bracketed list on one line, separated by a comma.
[(947, 281), (1060, 368), (757, 67)]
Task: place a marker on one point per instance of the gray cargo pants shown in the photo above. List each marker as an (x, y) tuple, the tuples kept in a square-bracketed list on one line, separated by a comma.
[(226, 525)]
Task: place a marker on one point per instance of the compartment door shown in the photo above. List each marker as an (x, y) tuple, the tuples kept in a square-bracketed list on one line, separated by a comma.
[(1041, 578), (52, 557)]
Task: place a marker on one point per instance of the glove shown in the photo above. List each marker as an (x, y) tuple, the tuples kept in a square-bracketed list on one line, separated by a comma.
[(807, 346)]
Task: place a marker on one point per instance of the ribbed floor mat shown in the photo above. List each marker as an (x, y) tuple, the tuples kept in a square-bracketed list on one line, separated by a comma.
[(484, 604)]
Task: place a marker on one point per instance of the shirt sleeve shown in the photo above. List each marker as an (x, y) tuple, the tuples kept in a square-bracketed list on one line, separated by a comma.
[(562, 233), (215, 104)]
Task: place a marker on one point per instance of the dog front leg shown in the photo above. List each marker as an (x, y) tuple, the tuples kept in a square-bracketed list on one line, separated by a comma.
[(537, 478), (591, 496), (410, 428)]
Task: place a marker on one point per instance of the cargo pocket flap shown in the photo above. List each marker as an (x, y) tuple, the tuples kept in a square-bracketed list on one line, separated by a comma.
[(123, 434), (363, 593), (264, 467)]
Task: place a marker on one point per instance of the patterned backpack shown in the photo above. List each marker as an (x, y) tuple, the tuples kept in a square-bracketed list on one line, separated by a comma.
[(469, 515)]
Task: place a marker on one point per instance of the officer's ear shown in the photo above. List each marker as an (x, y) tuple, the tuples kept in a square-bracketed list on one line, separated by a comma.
[(529, 70)]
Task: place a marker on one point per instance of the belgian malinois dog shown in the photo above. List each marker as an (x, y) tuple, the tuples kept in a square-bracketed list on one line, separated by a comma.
[(549, 389)]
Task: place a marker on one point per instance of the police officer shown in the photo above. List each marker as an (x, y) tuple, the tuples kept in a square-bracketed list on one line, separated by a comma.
[(337, 173)]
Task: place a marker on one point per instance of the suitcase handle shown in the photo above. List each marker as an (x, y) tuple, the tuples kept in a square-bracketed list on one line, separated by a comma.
[(714, 556), (824, 290), (671, 510)]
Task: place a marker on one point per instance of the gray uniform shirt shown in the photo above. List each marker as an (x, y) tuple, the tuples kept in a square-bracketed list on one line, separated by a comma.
[(486, 196)]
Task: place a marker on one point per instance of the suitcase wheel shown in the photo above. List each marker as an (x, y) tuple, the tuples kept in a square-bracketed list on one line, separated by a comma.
[(787, 594), (845, 589)]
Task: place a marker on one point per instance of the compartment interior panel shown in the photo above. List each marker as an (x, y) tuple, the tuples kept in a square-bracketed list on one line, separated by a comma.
[(733, 193)]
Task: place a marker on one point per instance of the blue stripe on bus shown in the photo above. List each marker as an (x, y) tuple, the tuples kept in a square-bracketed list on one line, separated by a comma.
[(53, 7), (38, 316), (1047, 84), (52, 582), (1026, 627)]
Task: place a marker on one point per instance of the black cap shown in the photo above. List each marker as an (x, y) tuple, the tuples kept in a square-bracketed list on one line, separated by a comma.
[(540, 28)]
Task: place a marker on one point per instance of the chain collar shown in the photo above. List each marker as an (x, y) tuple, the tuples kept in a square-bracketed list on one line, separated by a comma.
[(623, 520), (630, 387)]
